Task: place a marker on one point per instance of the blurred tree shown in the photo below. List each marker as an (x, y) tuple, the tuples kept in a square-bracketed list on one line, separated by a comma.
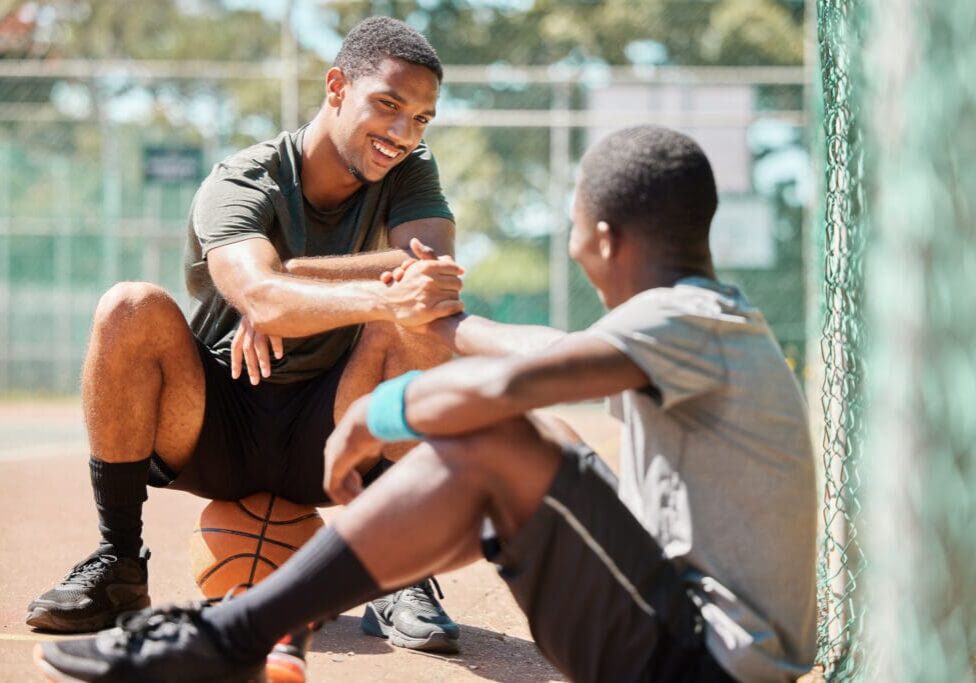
[(548, 31), (497, 178)]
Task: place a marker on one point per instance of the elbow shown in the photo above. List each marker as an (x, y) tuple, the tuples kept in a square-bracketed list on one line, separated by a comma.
[(258, 306), (503, 385)]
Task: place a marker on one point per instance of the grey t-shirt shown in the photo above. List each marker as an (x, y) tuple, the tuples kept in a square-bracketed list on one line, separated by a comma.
[(717, 464), (257, 193)]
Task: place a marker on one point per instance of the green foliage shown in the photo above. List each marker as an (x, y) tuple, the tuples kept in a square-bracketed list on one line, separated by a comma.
[(512, 268), (753, 32), (110, 29), (86, 163), (549, 31)]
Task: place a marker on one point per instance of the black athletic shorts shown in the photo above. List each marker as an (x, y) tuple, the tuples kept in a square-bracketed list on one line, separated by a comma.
[(603, 602), (268, 437)]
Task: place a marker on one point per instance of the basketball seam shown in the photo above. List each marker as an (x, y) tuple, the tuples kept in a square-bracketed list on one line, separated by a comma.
[(213, 570), (264, 530), (293, 520), (246, 534)]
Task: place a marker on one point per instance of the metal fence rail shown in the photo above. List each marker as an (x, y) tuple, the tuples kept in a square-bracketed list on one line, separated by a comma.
[(79, 210)]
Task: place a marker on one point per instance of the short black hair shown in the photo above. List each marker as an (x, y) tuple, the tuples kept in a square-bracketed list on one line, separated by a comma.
[(652, 179), (377, 38)]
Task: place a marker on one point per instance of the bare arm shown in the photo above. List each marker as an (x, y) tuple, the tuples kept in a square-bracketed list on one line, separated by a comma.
[(472, 335), (437, 233), (250, 347), (251, 277), (472, 393)]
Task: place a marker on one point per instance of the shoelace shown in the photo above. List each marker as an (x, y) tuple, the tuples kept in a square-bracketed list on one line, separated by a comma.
[(146, 623), (88, 572), (426, 588)]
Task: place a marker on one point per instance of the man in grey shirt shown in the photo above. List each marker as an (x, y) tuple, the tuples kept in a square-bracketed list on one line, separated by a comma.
[(698, 565), (286, 242)]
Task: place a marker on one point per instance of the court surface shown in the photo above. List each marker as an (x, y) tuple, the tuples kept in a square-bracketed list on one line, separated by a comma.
[(49, 523)]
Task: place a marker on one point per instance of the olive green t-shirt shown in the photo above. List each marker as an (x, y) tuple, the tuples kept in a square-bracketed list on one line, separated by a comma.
[(257, 193)]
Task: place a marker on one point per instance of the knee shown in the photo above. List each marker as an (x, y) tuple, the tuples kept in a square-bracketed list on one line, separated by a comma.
[(491, 449), (378, 334), (140, 305)]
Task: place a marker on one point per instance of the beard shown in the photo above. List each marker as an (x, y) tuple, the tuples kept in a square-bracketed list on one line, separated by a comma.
[(358, 175)]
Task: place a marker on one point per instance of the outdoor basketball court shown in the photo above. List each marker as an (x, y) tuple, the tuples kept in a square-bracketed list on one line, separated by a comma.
[(49, 523)]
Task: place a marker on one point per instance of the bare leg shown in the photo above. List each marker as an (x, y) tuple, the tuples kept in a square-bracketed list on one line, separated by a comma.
[(142, 382), (502, 472), (143, 389), (420, 518), (385, 350)]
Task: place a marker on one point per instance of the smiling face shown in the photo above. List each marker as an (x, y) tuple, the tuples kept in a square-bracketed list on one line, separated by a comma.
[(380, 116)]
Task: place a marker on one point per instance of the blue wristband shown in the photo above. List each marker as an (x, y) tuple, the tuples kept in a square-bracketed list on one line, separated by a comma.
[(386, 416)]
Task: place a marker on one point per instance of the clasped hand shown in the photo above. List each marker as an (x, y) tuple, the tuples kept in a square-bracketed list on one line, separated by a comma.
[(420, 290)]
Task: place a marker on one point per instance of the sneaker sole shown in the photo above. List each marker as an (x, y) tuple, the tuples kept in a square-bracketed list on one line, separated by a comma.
[(42, 618), (281, 667), (50, 673), (374, 625), (55, 676)]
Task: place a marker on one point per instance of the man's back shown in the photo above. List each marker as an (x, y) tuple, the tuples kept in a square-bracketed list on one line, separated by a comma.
[(717, 464)]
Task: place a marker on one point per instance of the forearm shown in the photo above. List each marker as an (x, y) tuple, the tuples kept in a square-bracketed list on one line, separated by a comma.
[(472, 335), (462, 396), (365, 266), (290, 307), (472, 393)]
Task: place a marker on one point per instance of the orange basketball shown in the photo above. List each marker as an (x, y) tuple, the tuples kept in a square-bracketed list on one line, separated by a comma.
[(241, 542)]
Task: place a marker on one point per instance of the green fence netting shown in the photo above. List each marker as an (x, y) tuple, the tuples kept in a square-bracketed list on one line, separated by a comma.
[(840, 568)]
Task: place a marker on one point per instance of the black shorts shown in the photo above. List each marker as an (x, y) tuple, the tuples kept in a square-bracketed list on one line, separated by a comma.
[(268, 437), (603, 602)]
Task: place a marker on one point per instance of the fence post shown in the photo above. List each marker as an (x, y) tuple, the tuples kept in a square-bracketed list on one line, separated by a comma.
[(6, 277), (559, 162), (289, 71)]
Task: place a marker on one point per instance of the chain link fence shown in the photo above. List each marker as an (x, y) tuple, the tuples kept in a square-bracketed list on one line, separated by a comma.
[(841, 565), (95, 194)]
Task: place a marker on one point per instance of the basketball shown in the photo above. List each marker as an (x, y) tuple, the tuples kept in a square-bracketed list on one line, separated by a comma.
[(238, 543)]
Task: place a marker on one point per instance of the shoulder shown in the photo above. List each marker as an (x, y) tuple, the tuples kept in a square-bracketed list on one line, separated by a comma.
[(266, 165), (690, 305)]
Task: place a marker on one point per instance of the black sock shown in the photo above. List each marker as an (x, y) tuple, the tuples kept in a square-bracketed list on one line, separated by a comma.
[(120, 490), (323, 579)]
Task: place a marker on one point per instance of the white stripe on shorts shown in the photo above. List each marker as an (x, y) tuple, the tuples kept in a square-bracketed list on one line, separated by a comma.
[(600, 553)]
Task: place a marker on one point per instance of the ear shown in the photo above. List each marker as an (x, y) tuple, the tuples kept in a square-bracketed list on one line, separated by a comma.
[(335, 86), (607, 239)]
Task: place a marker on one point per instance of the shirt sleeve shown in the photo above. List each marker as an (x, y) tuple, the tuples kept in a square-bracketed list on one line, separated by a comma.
[(679, 352), (229, 209), (417, 192)]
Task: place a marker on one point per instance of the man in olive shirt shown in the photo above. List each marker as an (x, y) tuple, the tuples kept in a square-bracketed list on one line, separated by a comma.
[(286, 241)]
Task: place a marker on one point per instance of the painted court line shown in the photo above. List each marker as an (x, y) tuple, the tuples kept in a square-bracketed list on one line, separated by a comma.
[(30, 637)]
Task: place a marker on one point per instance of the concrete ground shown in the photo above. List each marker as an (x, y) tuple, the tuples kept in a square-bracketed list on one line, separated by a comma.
[(49, 523)]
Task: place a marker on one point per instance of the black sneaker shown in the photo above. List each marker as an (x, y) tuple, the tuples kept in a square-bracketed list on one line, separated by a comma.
[(413, 618), (151, 646), (93, 594)]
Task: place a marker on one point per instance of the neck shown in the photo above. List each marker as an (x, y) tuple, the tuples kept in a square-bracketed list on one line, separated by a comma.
[(326, 180), (641, 275)]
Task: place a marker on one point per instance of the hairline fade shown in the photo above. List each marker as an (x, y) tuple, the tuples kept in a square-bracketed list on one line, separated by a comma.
[(374, 39)]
